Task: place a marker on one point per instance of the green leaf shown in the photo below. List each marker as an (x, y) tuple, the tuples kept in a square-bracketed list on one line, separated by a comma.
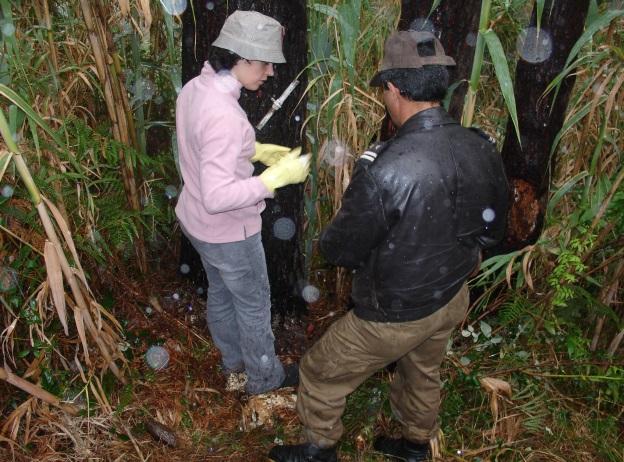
[(24, 106), (434, 5), (23, 353), (325, 9), (563, 190), (502, 74), (597, 24), (5, 158), (573, 120), (540, 10), (446, 102)]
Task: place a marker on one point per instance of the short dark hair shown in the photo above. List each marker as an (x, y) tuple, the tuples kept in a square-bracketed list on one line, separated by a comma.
[(221, 59), (429, 83)]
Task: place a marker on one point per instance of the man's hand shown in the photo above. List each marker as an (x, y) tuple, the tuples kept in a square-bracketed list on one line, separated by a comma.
[(269, 154), (290, 169)]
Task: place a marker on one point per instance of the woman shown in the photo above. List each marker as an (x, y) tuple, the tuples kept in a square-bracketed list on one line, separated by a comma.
[(220, 204)]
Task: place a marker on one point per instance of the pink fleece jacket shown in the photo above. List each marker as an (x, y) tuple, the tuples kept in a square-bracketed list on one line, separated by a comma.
[(221, 201)]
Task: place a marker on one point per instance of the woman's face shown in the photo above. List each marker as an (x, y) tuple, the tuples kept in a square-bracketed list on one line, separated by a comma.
[(252, 74)]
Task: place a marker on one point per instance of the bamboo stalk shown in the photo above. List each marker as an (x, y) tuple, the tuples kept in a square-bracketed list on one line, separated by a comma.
[(81, 304), (125, 102), (114, 92), (82, 308), (471, 95), (615, 343), (36, 391), (47, 19), (606, 297)]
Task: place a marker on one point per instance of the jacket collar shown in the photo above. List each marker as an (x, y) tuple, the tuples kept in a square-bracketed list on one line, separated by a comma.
[(426, 120), (223, 81)]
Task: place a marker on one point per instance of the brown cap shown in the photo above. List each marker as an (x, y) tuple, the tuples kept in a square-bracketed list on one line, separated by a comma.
[(401, 52)]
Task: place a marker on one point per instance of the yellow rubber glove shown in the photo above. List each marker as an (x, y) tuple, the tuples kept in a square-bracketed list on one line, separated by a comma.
[(290, 169), (269, 154)]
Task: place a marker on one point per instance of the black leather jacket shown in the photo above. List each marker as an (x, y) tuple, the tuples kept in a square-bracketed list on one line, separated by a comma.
[(415, 217)]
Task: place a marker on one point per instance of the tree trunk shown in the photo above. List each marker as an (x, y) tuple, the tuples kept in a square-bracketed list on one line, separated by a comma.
[(456, 24), (284, 214), (528, 166)]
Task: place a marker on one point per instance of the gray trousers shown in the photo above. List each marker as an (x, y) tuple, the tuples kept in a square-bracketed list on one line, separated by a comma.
[(353, 349), (239, 310)]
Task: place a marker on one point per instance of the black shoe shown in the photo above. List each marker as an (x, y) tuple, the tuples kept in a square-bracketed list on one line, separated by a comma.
[(291, 378), (402, 449), (302, 453)]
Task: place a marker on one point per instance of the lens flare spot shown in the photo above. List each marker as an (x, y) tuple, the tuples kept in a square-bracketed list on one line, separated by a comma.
[(157, 357), (284, 228), (174, 7), (534, 46), (488, 215), (310, 294)]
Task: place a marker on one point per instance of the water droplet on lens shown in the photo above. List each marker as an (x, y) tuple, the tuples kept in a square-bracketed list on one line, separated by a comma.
[(8, 278), (210, 6), (171, 192), (264, 358), (174, 7), (157, 357), (422, 24), (488, 215), (310, 294), (176, 296), (185, 269), (297, 118), (8, 29), (284, 228), (471, 39), (7, 191), (334, 153), (534, 46)]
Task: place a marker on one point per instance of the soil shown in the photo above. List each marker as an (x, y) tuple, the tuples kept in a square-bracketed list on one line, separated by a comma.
[(189, 395)]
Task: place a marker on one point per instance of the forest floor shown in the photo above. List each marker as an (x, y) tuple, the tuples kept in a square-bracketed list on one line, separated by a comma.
[(209, 423)]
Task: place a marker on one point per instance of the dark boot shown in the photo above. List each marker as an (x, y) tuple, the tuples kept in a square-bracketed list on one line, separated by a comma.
[(291, 378), (402, 449), (302, 453)]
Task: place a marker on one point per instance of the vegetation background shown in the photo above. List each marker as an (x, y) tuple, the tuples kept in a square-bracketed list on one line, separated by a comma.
[(88, 181)]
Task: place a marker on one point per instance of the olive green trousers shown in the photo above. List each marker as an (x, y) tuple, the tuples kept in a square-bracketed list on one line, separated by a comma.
[(353, 349)]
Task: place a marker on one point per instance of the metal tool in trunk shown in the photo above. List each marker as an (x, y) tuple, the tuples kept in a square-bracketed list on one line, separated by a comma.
[(277, 104)]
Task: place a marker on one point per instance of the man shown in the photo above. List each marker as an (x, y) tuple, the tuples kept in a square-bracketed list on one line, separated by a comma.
[(414, 219), (220, 205)]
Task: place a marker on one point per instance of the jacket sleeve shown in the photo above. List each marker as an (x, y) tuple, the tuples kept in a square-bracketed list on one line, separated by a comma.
[(219, 149), (359, 226)]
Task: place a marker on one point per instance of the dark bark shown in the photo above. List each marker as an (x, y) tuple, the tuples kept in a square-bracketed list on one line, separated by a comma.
[(456, 24), (528, 166), (284, 257)]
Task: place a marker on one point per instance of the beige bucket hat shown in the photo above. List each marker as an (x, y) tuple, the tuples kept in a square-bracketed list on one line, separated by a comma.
[(252, 35)]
